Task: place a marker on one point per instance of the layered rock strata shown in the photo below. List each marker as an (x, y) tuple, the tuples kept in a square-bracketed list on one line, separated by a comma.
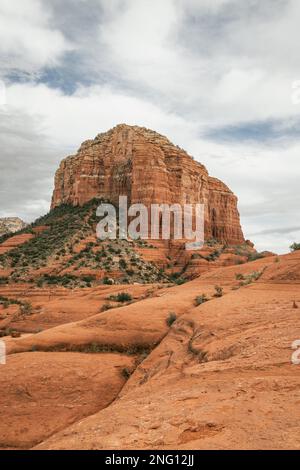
[(147, 168)]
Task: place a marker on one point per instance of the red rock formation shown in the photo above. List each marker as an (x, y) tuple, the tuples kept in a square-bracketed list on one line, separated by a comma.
[(11, 225), (148, 168)]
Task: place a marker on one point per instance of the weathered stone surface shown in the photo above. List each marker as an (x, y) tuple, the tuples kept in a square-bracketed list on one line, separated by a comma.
[(148, 168), (11, 225)]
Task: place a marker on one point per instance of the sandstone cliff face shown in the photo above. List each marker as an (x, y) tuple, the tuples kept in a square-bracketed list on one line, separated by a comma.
[(148, 168), (11, 225)]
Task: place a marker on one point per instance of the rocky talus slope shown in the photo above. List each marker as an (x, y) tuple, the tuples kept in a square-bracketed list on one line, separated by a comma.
[(61, 248)]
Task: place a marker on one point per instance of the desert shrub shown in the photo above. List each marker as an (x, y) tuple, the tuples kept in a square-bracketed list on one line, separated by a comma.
[(212, 242), (199, 353), (88, 279), (94, 348), (254, 256), (174, 276), (239, 276), (122, 263), (98, 256), (180, 281), (107, 281), (26, 308), (124, 297), (201, 299), (218, 291), (214, 255), (90, 245), (121, 297), (53, 280), (252, 277), (171, 319), (106, 307), (295, 247), (126, 373)]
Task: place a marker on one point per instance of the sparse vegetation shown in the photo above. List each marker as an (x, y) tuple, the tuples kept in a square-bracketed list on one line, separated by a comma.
[(201, 355), (212, 242), (64, 229), (239, 276), (180, 281), (171, 319), (249, 278), (295, 247), (121, 297), (67, 280), (201, 299), (126, 373), (177, 277), (218, 291), (122, 263), (25, 307), (106, 307), (254, 256), (214, 255)]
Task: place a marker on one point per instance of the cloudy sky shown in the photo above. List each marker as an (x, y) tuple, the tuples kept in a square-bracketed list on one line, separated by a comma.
[(215, 76)]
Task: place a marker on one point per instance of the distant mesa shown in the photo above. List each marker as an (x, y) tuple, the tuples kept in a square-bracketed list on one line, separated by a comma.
[(11, 225), (146, 167)]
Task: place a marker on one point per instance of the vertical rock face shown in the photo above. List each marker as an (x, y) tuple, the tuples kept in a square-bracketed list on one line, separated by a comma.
[(148, 168), (224, 219)]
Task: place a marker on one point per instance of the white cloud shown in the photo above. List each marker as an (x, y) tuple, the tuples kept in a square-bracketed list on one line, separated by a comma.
[(68, 120), (27, 39), (232, 64), (181, 67)]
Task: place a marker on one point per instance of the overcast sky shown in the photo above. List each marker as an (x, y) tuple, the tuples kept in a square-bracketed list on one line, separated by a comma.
[(215, 76)]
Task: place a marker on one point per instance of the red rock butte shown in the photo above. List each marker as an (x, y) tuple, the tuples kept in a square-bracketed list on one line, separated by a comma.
[(146, 167)]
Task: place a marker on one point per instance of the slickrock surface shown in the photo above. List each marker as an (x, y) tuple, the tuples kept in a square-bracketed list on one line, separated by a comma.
[(220, 376), (11, 225), (148, 168), (42, 393), (57, 306)]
